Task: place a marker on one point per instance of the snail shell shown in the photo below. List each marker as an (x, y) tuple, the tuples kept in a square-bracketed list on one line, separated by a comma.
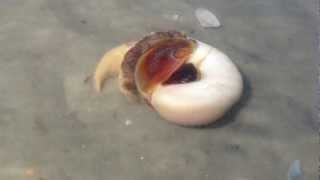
[(186, 81)]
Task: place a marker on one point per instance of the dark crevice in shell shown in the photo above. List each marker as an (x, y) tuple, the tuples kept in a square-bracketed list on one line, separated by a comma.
[(185, 74)]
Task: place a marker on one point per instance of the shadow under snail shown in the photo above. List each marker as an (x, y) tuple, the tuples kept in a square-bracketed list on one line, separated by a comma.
[(186, 81)]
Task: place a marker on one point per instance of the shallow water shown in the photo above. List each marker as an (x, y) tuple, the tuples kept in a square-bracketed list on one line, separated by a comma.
[(54, 126)]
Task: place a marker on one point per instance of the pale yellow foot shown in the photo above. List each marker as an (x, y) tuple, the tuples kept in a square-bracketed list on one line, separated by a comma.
[(110, 65)]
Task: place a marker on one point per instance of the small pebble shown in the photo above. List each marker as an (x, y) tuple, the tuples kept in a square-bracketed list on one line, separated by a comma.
[(206, 18), (141, 158)]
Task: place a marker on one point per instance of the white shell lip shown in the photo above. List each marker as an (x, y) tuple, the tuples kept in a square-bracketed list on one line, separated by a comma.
[(206, 100)]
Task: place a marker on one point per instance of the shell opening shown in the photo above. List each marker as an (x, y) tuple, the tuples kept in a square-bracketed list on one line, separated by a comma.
[(185, 74)]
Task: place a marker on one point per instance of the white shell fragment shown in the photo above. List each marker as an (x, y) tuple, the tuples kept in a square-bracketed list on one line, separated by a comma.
[(206, 18)]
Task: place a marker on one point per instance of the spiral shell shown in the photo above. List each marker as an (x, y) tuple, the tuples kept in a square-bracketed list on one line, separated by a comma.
[(186, 81)]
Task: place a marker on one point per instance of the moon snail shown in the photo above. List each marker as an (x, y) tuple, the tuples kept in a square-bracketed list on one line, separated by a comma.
[(188, 82)]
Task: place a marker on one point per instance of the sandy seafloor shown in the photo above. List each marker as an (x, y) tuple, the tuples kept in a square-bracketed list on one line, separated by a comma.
[(53, 126)]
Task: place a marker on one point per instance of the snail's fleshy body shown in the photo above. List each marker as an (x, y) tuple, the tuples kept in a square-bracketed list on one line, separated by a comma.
[(186, 81)]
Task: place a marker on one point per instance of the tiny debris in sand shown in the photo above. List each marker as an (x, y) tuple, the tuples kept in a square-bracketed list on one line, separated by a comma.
[(141, 158), (174, 17), (87, 79), (83, 146), (206, 18), (128, 122), (29, 172), (241, 178)]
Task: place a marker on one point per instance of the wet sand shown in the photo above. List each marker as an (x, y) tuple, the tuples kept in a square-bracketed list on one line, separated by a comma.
[(54, 126)]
